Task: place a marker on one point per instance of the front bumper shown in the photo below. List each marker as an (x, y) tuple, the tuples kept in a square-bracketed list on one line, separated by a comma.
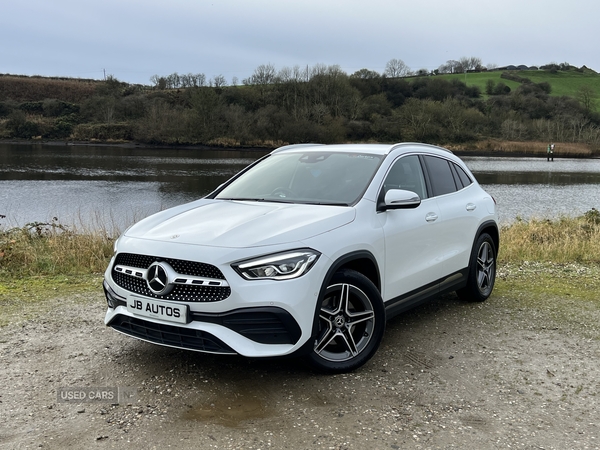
[(259, 319), (264, 325)]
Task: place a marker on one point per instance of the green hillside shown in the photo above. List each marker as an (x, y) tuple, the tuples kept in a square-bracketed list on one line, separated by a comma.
[(480, 79), (562, 82)]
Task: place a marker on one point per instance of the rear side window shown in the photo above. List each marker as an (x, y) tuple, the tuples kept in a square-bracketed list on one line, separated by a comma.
[(440, 175), (462, 179)]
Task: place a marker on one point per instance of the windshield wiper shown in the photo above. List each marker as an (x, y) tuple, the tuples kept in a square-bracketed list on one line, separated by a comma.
[(325, 203), (242, 199)]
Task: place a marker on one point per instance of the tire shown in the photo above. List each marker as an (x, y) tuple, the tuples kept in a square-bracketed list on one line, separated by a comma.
[(482, 270), (351, 322)]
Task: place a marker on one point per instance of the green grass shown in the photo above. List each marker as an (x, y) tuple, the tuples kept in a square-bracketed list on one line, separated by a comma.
[(480, 79), (561, 296), (28, 296), (563, 83)]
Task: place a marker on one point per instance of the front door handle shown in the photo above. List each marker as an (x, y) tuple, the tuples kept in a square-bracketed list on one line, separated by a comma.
[(431, 217)]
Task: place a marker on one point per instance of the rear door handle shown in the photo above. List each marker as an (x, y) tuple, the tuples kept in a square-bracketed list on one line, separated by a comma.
[(431, 217), (471, 206)]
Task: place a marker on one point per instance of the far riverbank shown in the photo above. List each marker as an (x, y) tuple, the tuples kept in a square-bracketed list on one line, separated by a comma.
[(524, 149), (487, 147)]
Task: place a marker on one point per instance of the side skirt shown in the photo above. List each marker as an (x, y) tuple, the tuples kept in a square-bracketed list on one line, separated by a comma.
[(414, 298)]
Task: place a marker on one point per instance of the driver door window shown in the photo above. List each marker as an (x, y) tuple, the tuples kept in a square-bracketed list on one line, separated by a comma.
[(406, 173)]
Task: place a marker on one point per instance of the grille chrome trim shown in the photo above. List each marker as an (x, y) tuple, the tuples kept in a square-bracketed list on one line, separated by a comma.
[(174, 278)]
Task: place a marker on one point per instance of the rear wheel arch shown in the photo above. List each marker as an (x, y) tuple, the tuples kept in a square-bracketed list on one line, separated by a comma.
[(490, 228), (481, 273)]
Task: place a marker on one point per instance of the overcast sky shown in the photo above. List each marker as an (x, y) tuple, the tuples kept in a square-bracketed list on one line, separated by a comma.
[(135, 39)]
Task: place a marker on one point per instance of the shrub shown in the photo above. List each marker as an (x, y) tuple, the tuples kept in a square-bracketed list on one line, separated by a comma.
[(101, 131), (7, 107), (57, 108), (32, 107), (62, 127), (501, 89)]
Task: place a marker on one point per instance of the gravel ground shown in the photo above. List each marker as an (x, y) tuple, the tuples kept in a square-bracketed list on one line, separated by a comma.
[(498, 375)]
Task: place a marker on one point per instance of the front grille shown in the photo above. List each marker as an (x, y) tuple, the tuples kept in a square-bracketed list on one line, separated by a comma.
[(170, 335), (180, 292)]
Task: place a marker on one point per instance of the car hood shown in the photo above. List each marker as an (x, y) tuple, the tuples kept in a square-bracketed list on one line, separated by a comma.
[(226, 223)]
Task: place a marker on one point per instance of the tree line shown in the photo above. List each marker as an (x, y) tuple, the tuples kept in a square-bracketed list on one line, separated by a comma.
[(320, 103)]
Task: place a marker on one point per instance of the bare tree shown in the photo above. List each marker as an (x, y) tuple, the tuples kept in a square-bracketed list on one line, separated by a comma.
[(475, 63), (285, 75), (395, 68), (464, 64), (219, 81), (451, 66), (586, 96), (300, 74), (173, 81), (158, 81), (263, 74), (469, 63), (318, 69), (108, 109)]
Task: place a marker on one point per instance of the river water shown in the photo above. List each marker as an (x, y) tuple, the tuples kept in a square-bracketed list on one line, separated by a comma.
[(111, 187)]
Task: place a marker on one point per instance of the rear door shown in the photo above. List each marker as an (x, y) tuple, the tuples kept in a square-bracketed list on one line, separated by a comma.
[(453, 190)]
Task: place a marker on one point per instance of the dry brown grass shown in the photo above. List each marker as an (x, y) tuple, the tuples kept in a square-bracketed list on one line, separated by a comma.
[(53, 249), (533, 148), (30, 89), (563, 240)]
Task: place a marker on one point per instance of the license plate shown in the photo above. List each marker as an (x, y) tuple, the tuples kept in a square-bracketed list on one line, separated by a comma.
[(171, 312)]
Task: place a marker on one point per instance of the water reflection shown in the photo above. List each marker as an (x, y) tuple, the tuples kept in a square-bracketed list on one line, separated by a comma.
[(534, 171), (113, 187), (106, 186), (535, 188)]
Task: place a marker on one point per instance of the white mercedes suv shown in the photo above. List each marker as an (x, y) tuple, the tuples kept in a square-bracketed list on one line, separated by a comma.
[(308, 251)]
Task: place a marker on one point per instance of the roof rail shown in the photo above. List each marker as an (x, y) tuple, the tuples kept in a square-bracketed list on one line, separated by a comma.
[(402, 144), (293, 146)]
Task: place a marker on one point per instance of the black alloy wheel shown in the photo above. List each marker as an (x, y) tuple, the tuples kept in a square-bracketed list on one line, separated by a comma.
[(482, 270)]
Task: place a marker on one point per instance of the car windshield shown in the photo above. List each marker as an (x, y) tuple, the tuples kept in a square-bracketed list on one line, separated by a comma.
[(329, 178)]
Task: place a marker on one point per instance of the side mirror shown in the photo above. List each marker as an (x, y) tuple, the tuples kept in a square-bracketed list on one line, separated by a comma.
[(400, 199)]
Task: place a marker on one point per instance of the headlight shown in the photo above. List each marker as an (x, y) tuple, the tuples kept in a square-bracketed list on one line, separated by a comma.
[(281, 266), (116, 245)]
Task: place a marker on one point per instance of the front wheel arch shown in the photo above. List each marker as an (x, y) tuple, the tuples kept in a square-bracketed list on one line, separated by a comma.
[(350, 322)]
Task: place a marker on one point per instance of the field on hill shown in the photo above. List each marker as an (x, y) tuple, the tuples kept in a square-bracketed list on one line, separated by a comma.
[(563, 83)]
